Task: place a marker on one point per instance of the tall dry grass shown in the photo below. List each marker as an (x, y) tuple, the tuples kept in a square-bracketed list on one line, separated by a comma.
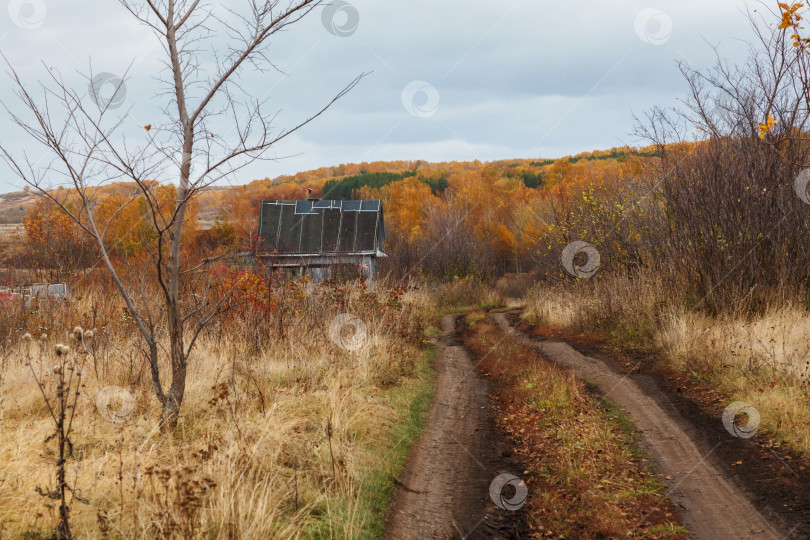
[(762, 358), (461, 294), (281, 429)]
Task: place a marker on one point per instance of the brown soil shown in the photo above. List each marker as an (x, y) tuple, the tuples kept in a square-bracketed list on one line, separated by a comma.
[(713, 503), (444, 489), (724, 487)]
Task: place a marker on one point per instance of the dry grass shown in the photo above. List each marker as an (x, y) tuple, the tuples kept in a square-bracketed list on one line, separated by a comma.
[(10, 235), (762, 359), (462, 294), (280, 442)]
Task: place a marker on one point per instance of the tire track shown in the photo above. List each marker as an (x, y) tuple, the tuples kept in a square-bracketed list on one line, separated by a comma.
[(712, 506), (443, 491)]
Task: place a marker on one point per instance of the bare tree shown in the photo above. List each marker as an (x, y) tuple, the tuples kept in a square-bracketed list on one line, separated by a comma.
[(87, 148), (732, 228)]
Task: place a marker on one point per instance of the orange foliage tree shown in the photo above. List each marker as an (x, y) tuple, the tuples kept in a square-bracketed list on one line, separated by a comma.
[(55, 247)]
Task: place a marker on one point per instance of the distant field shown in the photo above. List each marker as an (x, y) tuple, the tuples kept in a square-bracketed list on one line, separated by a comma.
[(9, 233), (14, 205)]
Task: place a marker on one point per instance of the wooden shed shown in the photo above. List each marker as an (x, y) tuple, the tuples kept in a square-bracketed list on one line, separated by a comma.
[(322, 238)]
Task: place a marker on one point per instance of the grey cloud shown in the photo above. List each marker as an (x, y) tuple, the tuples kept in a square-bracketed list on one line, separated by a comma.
[(514, 76)]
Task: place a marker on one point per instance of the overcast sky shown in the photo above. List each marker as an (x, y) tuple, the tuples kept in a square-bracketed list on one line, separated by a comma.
[(450, 79)]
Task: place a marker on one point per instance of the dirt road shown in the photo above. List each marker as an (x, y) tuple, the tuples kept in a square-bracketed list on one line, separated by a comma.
[(713, 507), (444, 490)]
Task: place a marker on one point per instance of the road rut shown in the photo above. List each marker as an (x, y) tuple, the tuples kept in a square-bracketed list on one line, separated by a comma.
[(444, 489), (712, 506)]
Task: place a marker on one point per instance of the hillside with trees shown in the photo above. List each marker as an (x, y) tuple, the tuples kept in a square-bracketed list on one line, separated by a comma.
[(499, 210)]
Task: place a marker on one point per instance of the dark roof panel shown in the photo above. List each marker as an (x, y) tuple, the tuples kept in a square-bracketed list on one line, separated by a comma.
[(366, 231), (311, 232), (289, 234), (351, 206), (371, 206), (348, 230), (321, 227), (303, 207), (331, 230), (270, 222)]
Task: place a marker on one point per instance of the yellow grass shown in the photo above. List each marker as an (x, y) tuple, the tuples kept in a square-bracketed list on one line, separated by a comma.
[(761, 359), (764, 361), (274, 444)]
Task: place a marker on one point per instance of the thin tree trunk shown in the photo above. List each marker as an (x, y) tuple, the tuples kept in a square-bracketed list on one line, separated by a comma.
[(174, 399)]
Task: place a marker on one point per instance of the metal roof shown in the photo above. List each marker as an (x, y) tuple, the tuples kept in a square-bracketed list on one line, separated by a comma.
[(322, 227)]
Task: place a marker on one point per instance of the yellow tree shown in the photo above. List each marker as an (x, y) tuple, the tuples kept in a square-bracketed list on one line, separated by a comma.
[(55, 245), (121, 220), (409, 203)]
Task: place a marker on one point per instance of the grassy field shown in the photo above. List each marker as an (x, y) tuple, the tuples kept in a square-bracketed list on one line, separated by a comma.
[(289, 435), (760, 358), (286, 433), (9, 234)]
